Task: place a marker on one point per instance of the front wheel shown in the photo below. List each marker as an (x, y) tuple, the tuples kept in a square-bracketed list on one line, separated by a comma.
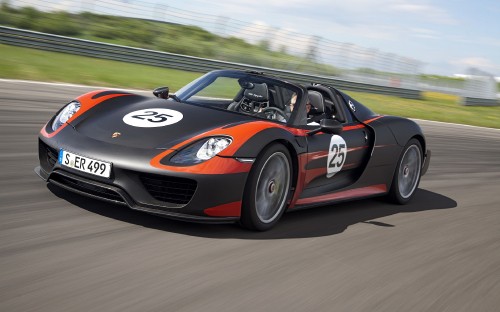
[(267, 189), (407, 175)]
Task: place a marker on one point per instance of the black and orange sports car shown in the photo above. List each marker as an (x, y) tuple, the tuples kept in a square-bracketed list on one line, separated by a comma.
[(231, 146)]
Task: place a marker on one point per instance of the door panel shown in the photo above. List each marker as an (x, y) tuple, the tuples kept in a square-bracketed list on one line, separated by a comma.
[(326, 153)]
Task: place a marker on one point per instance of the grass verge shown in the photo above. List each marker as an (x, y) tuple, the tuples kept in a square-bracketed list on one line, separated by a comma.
[(39, 65), (433, 106), (31, 64)]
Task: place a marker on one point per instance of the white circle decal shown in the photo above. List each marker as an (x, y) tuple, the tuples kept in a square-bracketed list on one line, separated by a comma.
[(336, 155), (152, 117)]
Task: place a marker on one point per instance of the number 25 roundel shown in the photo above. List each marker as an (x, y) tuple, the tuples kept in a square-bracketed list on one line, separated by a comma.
[(152, 117), (336, 155)]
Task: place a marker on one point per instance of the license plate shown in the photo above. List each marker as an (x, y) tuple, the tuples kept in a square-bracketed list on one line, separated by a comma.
[(85, 164)]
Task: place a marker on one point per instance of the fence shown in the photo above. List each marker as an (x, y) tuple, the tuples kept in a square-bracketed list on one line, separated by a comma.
[(37, 40)]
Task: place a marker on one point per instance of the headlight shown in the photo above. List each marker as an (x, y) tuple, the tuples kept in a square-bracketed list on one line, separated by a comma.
[(201, 151), (65, 114)]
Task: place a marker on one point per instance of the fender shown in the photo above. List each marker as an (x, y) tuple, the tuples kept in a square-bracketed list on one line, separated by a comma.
[(88, 101), (404, 129), (252, 147)]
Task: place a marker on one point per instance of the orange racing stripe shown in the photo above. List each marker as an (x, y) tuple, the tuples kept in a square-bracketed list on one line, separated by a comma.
[(226, 210), (87, 103)]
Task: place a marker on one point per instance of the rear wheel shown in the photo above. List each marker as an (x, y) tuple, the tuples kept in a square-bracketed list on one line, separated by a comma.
[(267, 189), (407, 175)]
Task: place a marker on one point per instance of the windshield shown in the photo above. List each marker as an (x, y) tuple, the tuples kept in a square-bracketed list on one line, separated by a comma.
[(242, 92)]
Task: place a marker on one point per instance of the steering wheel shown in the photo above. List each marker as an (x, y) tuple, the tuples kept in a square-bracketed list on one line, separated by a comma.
[(274, 113)]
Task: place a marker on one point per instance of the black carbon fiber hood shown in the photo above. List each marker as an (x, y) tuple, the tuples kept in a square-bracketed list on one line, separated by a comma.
[(105, 122)]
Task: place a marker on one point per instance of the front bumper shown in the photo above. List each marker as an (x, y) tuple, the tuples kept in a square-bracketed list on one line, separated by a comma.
[(127, 187), (124, 199)]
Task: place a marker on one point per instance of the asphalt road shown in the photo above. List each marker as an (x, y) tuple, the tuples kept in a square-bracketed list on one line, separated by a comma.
[(64, 252)]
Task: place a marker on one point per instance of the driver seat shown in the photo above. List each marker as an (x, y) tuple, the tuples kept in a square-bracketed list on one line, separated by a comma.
[(316, 100), (317, 111), (259, 93)]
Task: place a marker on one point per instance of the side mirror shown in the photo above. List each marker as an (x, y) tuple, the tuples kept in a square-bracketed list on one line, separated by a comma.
[(161, 92), (331, 126)]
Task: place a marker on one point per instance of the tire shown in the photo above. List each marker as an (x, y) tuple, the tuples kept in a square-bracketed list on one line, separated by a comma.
[(267, 189), (407, 175)]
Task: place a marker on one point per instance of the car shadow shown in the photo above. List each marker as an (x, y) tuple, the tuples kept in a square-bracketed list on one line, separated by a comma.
[(315, 222)]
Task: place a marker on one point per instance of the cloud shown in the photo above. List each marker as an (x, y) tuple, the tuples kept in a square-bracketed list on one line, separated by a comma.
[(432, 13), (488, 41), (424, 33), (476, 62)]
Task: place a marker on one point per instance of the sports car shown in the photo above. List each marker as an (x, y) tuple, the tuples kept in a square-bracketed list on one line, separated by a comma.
[(231, 146)]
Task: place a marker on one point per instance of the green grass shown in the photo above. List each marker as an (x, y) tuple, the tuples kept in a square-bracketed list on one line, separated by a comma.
[(23, 63), (433, 106), (31, 64)]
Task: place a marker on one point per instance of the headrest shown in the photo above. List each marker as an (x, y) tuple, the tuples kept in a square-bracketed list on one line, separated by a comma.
[(316, 100), (258, 93)]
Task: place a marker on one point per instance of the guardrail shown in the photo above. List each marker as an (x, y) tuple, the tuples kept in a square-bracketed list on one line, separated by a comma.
[(37, 40)]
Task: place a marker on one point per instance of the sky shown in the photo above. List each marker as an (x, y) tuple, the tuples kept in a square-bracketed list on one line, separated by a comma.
[(447, 37)]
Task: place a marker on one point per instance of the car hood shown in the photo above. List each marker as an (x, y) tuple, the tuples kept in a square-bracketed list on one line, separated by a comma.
[(107, 122)]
